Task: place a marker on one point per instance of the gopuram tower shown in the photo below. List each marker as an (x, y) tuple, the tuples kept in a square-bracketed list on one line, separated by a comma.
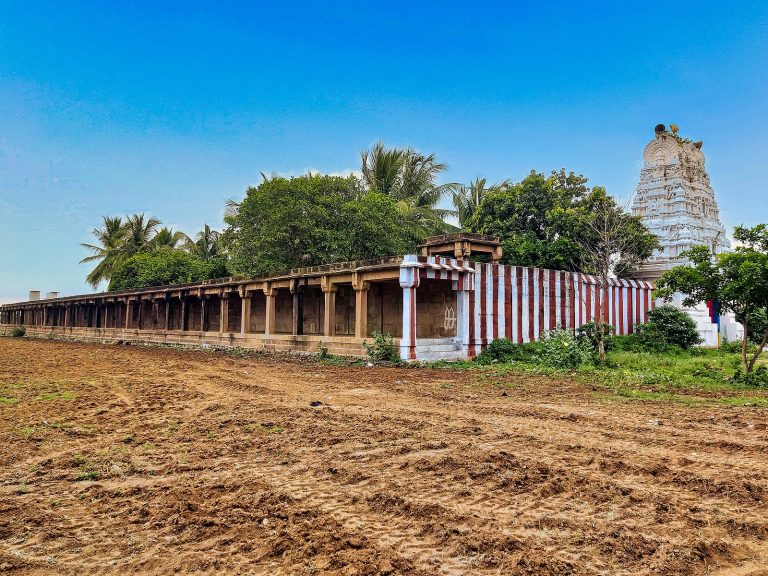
[(676, 201)]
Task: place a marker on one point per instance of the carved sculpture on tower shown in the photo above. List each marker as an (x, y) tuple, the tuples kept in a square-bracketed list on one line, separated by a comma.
[(676, 201)]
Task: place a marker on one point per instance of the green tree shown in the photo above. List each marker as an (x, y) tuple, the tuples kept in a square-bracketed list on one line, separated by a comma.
[(737, 279), (409, 178), (107, 252), (466, 199), (548, 221), (139, 232), (169, 238), (206, 244), (165, 266), (308, 220), (537, 219), (612, 243)]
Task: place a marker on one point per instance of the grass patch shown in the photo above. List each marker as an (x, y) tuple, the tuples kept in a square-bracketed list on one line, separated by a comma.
[(87, 475), (25, 432), (696, 377), (53, 396), (8, 400), (267, 428)]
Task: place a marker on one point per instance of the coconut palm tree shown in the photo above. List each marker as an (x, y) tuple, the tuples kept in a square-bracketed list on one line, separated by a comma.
[(108, 252), (169, 238), (139, 232), (206, 243), (466, 199), (409, 178)]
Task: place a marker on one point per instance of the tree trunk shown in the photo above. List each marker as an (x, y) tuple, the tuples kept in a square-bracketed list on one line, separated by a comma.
[(744, 364), (758, 350), (601, 346)]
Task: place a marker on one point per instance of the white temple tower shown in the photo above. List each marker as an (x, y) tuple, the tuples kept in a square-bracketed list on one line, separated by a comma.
[(676, 201)]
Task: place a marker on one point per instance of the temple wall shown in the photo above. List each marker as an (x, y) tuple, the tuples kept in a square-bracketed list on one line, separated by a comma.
[(435, 300), (437, 307), (385, 309)]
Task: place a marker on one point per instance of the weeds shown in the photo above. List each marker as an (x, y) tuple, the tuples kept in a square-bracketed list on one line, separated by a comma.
[(53, 396), (87, 475), (383, 350)]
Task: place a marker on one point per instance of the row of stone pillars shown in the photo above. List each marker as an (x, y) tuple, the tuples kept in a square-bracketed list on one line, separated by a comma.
[(129, 313)]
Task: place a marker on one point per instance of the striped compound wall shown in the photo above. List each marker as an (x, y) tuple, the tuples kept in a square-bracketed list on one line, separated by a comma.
[(519, 303)]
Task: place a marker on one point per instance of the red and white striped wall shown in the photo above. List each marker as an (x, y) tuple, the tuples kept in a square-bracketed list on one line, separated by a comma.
[(520, 303)]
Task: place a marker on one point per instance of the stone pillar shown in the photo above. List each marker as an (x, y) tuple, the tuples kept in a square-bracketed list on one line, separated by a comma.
[(167, 320), (155, 313), (245, 311), (409, 281), (184, 314), (224, 314), (361, 305), (127, 313), (496, 256), (329, 318), (269, 314), (203, 313), (298, 309)]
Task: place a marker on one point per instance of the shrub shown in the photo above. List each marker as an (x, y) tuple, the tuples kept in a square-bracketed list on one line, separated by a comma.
[(674, 326), (648, 338), (591, 333), (504, 350), (731, 347), (758, 378), (563, 349), (17, 332), (382, 350)]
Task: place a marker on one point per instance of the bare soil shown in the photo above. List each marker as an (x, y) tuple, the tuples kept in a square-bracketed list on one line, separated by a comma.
[(117, 460)]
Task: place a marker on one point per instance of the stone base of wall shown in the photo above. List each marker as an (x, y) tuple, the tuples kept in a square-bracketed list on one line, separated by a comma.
[(339, 345)]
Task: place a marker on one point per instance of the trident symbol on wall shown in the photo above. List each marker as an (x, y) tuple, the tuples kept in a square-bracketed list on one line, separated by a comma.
[(450, 318)]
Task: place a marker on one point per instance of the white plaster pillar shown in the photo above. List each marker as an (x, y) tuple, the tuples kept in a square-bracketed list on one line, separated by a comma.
[(409, 281)]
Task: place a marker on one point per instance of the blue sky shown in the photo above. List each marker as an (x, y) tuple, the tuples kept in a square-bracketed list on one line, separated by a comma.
[(172, 108)]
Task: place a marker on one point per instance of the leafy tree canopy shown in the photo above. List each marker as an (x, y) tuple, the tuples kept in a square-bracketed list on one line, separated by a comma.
[(544, 221), (121, 238), (737, 279), (165, 266), (309, 220)]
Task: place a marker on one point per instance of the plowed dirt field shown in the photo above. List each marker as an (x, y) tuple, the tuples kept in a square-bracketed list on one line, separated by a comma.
[(118, 460)]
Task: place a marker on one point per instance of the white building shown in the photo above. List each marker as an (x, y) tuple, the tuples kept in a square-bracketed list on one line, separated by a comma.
[(676, 201)]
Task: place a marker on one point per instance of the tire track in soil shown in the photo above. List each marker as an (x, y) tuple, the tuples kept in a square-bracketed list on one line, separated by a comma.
[(439, 470)]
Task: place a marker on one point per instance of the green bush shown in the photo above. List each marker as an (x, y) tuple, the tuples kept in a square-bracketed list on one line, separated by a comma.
[(591, 333), (563, 349), (674, 326), (758, 378), (504, 350), (731, 347), (382, 350), (648, 338), (17, 332)]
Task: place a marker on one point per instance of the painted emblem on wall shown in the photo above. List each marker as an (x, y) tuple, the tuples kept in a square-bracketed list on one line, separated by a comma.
[(450, 318)]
